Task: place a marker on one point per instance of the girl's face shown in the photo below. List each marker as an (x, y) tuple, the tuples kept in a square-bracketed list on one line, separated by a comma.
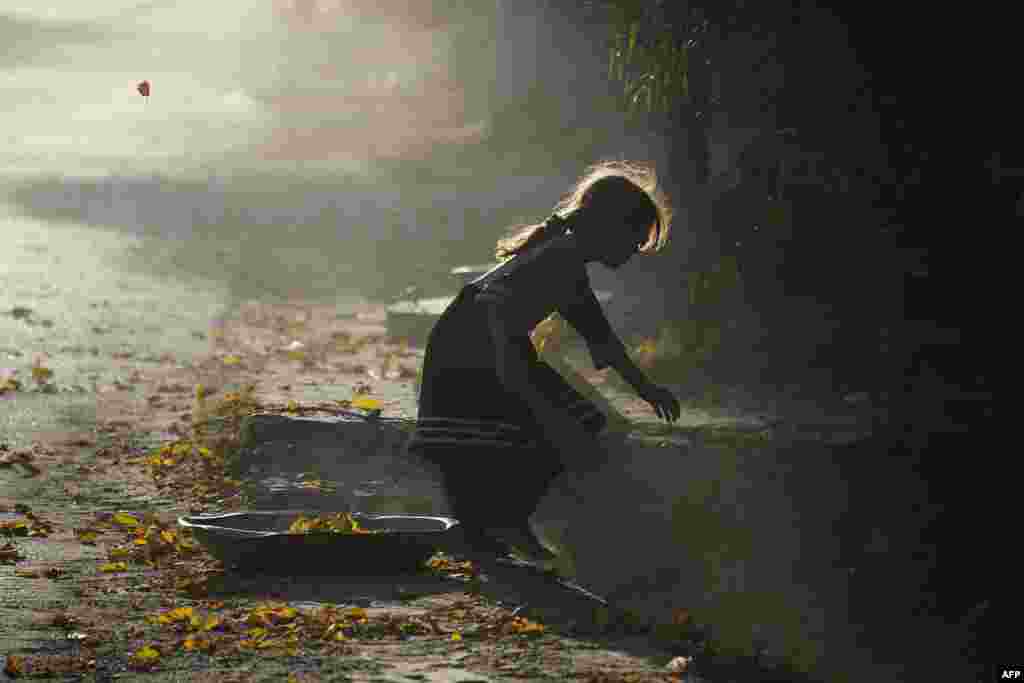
[(618, 244)]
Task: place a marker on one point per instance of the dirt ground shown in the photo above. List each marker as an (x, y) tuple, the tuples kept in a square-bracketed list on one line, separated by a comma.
[(98, 582)]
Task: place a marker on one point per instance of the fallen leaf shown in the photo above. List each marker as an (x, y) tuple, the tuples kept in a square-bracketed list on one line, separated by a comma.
[(41, 374), (356, 613), (18, 527), (9, 553), (525, 626), (367, 403), (111, 567), (145, 657), (14, 666), (124, 519), (196, 643), (678, 664)]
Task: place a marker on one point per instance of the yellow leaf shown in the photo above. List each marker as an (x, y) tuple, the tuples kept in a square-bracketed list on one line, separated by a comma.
[(285, 614), (186, 546), (200, 391), (168, 536), (297, 355), (87, 536), (366, 403), (114, 567), (292, 406), (456, 636), (194, 643), (125, 519), (14, 666), (268, 643), (212, 622), (41, 374), (525, 626), (140, 541), (204, 451), (27, 573), (115, 553), (356, 613), (147, 654), (257, 618), (180, 614), (232, 360)]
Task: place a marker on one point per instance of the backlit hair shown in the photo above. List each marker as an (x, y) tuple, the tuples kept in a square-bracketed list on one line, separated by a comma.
[(610, 188)]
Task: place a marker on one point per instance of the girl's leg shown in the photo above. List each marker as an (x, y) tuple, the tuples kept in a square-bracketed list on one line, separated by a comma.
[(527, 483)]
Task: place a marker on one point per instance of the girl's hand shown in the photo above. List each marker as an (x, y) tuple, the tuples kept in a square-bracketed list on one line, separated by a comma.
[(665, 404)]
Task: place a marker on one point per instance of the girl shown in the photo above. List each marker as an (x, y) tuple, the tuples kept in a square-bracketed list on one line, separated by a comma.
[(492, 415)]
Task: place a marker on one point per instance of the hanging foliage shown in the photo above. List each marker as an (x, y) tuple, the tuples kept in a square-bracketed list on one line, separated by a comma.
[(649, 55)]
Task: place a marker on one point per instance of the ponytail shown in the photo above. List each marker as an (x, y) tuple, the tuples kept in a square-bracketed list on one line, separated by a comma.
[(528, 236)]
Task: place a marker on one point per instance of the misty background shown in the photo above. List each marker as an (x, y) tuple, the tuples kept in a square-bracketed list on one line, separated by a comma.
[(309, 149), (297, 149)]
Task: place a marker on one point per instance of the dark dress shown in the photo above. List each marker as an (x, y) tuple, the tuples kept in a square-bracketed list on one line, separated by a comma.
[(496, 462)]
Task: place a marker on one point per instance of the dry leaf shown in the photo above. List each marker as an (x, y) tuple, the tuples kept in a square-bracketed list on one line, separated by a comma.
[(41, 374), (525, 626), (14, 666), (366, 403), (681, 616), (124, 519), (118, 552), (8, 553), (678, 664), (145, 658)]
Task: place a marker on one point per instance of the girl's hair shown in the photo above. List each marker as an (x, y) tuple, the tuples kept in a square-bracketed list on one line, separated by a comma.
[(610, 188)]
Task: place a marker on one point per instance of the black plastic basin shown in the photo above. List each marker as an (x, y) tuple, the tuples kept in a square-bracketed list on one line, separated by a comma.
[(259, 541)]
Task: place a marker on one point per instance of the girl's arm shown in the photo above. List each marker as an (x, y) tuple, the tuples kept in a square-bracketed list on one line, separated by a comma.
[(614, 353), (560, 428), (585, 314)]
